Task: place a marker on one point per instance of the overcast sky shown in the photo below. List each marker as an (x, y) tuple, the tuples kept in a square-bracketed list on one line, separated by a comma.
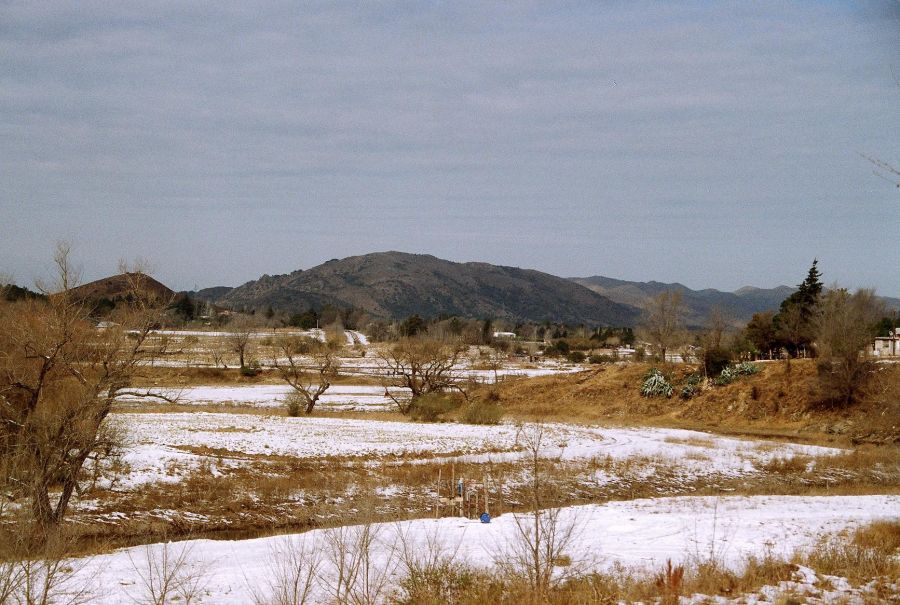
[(712, 144)]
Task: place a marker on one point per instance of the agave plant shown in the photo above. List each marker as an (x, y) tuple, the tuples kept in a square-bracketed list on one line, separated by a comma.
[(656, 385)]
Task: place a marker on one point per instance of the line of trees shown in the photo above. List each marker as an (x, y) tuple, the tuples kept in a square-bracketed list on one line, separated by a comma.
[(834, 325)]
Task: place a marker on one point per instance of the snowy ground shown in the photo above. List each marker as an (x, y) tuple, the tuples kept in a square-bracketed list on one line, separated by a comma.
[(338, 397), (638, 534), (352, 336), (166, 446)]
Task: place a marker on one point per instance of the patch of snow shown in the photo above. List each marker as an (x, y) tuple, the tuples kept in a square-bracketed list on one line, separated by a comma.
[(639, 534)]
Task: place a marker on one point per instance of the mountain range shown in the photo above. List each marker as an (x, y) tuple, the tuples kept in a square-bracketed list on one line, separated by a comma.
[(394, 285)]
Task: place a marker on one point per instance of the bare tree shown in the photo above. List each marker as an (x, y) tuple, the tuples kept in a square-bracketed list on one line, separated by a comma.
[(664, 321), (420, 366), (59, 378), (308, 366), (542, 536), (845, 327), (240, 333)]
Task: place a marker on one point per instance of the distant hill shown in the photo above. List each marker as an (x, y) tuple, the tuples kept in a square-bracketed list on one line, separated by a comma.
[(738, 306), (104, 294), (394, 285), (211, 294)]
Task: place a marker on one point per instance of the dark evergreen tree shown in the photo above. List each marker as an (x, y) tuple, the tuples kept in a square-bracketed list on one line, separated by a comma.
[(412, 326), (793, 323)]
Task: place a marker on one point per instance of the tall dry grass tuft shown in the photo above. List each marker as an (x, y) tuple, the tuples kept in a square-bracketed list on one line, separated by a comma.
[(670, 583), (871, 551)]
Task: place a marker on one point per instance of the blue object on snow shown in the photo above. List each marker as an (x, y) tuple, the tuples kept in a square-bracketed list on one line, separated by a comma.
[(485, 518)]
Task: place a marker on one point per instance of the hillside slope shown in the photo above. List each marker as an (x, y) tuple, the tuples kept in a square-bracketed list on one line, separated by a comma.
[(119, 287), (395, 285), (780, 400)]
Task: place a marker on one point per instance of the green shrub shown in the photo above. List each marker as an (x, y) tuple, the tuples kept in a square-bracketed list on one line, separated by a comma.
[(715, 360), (745, 368), (576, 357), (726, 376), (483, 412), (731, 373), (250, 371), (692, 385), (656, 385), (432, 407)]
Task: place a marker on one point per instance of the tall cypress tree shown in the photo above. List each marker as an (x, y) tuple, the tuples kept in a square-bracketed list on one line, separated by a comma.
[(793, 323), (807, 295)]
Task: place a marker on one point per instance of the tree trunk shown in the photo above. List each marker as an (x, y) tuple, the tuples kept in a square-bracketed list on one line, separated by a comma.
[(44, 519)]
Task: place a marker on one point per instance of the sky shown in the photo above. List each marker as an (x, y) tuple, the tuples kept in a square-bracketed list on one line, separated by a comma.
[(713, 144)]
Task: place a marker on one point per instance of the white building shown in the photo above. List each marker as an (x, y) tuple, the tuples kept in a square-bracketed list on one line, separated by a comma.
[(887, 346)]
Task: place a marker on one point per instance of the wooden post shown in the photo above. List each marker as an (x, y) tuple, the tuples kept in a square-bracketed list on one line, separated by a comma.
[(437, 502)]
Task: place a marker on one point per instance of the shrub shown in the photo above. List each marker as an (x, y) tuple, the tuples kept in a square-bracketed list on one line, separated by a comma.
[(656, 385), (295, 404), (432, 407), (745, 368), (715, 360), (691, 386), (727, 376), (483, 412), (731, 373), (249, 371), (601, 359), (443, 581), (576, 357)]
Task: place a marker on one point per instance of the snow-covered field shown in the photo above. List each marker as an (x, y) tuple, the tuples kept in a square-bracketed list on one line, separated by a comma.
[(352, 336), (165, 446), (639, 534), (337, 397)]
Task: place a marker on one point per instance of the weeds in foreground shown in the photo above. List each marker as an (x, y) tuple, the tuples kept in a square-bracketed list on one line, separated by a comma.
[(294, 565), (669, 583), (166, 574), (871, 551)]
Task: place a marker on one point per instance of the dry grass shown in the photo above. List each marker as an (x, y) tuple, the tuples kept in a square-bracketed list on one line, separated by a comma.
[(777, 402), (869, 552), (692, 441)]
